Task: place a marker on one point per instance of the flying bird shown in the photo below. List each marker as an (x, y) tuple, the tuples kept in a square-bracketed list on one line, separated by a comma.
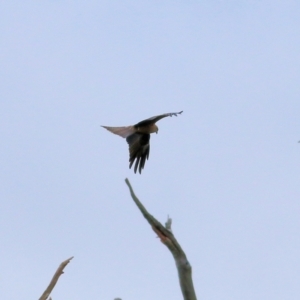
[(138, 139)]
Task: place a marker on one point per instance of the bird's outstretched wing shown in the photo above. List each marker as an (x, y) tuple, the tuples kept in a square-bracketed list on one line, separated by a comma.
[(124, 131), (155, 119), (139, 150)]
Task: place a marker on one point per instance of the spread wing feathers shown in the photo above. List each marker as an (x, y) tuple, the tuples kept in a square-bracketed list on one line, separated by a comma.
[(155, 119), (139, 149), (124, 131)]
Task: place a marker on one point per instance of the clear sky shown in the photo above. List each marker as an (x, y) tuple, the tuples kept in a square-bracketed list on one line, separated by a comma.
[(226, 170)]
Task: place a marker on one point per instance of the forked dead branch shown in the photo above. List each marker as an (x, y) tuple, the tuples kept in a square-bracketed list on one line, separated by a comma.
[(54, 279), (167, 238)]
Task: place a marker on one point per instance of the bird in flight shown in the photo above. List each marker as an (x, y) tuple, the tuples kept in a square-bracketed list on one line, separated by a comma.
[(138, 138)]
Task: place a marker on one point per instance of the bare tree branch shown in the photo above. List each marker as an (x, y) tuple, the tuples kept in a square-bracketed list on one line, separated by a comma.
[(54, 279), (167, 238), (168, 224)]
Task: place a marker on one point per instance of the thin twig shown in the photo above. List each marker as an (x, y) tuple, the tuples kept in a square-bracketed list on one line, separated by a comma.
[(54, 279), (167, 238)]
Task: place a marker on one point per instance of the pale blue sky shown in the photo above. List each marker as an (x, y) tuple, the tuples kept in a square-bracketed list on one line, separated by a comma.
[(226, 170)]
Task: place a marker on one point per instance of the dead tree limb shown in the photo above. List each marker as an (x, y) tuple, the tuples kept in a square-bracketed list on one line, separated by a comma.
[(54, 279), (167, 238)]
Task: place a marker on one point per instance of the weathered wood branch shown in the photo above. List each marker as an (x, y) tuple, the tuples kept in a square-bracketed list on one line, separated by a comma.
[(54, 279), (167, 238)]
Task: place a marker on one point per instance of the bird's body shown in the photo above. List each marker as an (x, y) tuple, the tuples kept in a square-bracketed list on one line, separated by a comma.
[(138, 138), (147, 129)]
